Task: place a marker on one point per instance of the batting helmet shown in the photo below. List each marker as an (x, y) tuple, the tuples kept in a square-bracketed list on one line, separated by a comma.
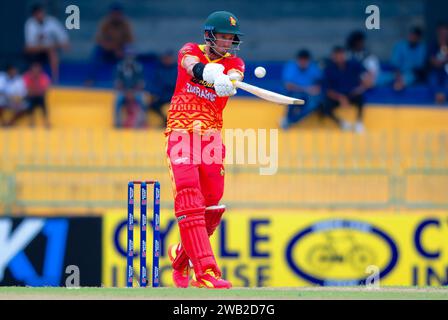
[(222, 22)]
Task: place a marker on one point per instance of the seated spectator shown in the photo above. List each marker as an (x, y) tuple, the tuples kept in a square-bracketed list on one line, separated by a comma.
[(130, 83), (114, 34), (356, 50), (301, 79), (37, 83), (408, 59), (3, 97), (163, 83), (438, 59), (134, 115), (344, 85), (12, 91), (44, 37)]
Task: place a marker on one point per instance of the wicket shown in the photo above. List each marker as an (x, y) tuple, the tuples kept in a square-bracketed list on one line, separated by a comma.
[(143, 228)]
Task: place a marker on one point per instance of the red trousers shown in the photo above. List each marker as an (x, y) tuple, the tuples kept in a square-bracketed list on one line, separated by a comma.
[(196, 161), (197, 174)]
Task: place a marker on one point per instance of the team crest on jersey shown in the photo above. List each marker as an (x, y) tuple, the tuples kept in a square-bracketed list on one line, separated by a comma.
[(232, 21)]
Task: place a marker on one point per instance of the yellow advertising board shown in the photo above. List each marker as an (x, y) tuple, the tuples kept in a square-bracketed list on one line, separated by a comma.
[(266, 248)]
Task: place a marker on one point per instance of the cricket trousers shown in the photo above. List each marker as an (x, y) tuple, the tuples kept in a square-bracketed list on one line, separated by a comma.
[(197, 173)]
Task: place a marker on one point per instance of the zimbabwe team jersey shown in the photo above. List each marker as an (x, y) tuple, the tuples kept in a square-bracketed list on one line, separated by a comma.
[(195, 101)]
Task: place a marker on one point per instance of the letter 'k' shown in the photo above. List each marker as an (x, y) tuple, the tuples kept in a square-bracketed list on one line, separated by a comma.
[(22, 236)]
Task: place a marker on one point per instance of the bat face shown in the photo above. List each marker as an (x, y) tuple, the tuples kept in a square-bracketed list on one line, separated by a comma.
[(268, 95)]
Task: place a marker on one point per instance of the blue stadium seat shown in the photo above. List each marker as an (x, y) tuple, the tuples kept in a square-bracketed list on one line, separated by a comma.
[(75, 73)]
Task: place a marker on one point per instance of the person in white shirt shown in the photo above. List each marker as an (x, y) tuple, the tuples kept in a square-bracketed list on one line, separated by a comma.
[(12, 91), (44, 36)]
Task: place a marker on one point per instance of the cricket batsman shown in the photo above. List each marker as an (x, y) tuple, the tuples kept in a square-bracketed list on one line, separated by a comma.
[(204, 84)]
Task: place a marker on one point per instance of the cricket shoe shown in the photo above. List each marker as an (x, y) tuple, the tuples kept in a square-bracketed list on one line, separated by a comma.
[(210, 281), (181, 277)]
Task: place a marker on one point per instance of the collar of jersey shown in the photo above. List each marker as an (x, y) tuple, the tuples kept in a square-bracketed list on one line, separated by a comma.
[(202, 48)]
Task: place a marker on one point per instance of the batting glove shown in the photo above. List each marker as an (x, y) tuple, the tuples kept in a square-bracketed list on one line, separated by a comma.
[(212, 71), (224, 86)]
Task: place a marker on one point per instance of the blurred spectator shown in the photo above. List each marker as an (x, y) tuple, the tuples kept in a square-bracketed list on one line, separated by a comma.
[(438, 58), (44, 36), (12, 91), (356, 50), (3, 97), (114, 34), (129, 82), (301, 79), (163, 83), (37, 83), (408, 59), (344, 85)]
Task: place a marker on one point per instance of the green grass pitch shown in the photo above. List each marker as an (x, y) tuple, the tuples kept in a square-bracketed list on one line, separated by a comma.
[(87, 293)]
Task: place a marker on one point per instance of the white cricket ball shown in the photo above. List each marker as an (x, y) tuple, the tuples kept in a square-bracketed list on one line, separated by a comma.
[(260, 72)]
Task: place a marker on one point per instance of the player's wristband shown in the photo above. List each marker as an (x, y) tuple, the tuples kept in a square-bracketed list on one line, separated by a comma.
[(198, 70)]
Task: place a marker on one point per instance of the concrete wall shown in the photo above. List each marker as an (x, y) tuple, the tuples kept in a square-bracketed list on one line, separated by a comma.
[(274, 30)]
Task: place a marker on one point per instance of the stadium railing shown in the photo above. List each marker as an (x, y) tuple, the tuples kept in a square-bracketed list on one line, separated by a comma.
[(86, 171)]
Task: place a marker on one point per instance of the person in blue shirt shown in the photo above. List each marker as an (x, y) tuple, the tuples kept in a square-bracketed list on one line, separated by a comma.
[(301, 79), (438, 58), (357, 50), (409, 60), (344, 84), (129, 84), (162, 84)]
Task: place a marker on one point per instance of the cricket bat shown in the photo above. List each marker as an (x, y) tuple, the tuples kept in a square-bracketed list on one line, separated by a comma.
[(267, 95)]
